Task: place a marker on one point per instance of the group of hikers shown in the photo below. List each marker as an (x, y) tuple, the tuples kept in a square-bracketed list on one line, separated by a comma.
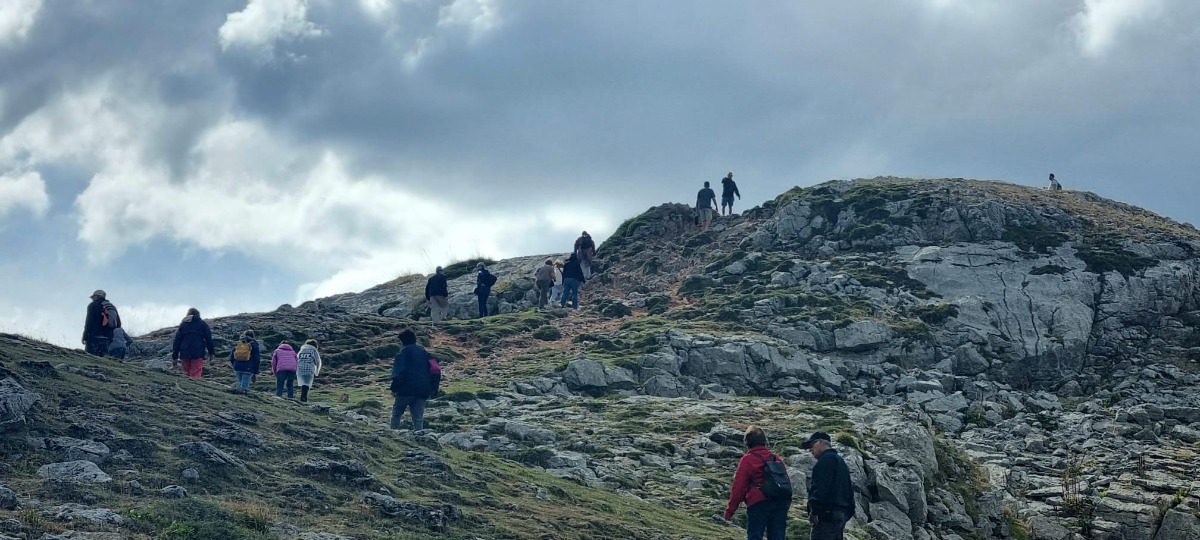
[(556, 282)]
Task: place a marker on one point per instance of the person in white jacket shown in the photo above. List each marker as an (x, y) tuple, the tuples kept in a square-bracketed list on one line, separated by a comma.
[(557, 290), (308, 367)]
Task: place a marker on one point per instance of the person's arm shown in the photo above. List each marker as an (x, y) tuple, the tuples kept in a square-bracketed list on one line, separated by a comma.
[(274, 360), (736, 192), (176, 344), (741, 486), (819, 491), (208, 342), (317, 357)]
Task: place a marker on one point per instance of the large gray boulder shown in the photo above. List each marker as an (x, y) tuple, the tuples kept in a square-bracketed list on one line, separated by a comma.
[(1179, 525), (862, 335), (80, 471), (72, 449), (15, 402), (583, 373)]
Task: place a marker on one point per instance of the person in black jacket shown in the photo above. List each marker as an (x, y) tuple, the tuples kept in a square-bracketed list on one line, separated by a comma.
[(728, 190), (192, 339), (483, 287), (96, 336), (573, 279), (437, 293), (412, 381), (830, 494)]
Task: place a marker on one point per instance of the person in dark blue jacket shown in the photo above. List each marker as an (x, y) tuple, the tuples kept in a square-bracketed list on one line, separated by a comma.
[(247, 366), (483, 287), (412, 381), (192, 339), (573, 278), (831, 493)]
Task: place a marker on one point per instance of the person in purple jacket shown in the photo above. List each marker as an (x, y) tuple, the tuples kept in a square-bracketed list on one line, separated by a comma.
[(283, 365)]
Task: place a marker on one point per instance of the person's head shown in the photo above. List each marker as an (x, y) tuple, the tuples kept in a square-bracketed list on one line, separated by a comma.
[(193, 312), (585, 233), (730, 175), (755, 436), (558, 264), (817, 444), (407, 336), (248, 334), (438, 270), (99, 295), (479, 266), (1052, 176), (312, 342), (550, 262), (706, 184)]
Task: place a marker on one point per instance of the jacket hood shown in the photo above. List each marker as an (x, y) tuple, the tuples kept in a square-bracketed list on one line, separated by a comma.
[(284, 346)]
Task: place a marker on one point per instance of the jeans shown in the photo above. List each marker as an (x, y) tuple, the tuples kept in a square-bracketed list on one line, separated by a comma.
[(417, 406), (243, 380), (285, 379), (193, 367), (97, 345), (483, 310), (570, 293), (829, 526), (768, 517)]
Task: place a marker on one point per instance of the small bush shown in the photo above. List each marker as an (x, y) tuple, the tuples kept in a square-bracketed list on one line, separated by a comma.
[(547, 333)]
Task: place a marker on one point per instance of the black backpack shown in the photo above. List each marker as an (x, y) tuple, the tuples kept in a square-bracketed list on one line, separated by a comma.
[(776, 483), (489, 279)]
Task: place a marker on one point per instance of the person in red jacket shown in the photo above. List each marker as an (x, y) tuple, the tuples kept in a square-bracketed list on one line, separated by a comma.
[(763, 515)]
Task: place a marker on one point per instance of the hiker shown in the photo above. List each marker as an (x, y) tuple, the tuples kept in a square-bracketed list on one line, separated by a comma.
[(766, 510), (543, 278), (830, 492), (246, 358), (728, 190), (308, 366), (192, 339), (412, 381), (437, 293), (283, 367), (483, 287), (120, 344), (557, 290), (706, 202), (585, 249), (1054, 185), (573, 279), (99, 324)]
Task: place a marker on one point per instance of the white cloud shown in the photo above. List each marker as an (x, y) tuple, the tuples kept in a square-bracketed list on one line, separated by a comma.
[(1101, 22), (17, 18), (479, 16), (23, 189), (263, 22)]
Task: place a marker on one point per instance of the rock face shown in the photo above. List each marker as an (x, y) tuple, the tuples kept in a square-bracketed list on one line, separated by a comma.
[(15, 402)]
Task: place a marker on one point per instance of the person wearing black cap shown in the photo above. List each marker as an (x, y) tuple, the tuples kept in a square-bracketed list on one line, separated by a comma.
[(830, 493), (437, 293), (96, 335)]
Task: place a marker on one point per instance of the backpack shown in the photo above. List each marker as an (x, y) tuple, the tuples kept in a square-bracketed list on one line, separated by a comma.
[(435, 377), (489, 279), (109, 318), (243, 350), (776, 483)]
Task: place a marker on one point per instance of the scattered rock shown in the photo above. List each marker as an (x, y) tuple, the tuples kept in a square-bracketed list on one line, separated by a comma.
[(174, 492), (433, 517), (15, 403), (207, 453), (80, 471)]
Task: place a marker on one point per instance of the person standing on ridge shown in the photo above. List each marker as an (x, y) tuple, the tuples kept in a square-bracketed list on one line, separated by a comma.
[(283, 366), (412, 381), (99, 324), (246, 358), (543, 278), (1054, 185), (585, 249), (830, 493), (437, 293), (764, 514), (120, 344), (308, 367), (192, 339), (728, 190), (706, 202), (484, 281), (557, 291), (573, 279)]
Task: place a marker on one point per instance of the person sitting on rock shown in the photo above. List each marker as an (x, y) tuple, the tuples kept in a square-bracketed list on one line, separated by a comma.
[(763, 514), (308, 367), (412, 381), (1054, 185)]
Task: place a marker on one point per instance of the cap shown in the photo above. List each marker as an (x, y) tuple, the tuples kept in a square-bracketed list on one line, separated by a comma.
[(438, 270), (99, 293), (479, 266), (818, 436)]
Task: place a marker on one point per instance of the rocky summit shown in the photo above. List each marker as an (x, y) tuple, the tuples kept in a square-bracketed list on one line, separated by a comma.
[(994, 361)]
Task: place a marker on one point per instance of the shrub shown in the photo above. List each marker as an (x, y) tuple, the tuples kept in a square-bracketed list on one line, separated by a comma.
[(547, 333)]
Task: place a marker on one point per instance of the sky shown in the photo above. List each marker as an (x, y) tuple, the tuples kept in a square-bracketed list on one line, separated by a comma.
[(236, 155)]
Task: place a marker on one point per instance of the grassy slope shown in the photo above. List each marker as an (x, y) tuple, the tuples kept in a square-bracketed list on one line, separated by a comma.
[(496, 496)]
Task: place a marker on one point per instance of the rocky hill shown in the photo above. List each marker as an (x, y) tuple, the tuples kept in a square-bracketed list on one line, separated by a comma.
[(996, 362)]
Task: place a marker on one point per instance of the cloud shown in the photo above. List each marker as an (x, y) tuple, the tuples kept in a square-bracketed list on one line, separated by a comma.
[(23, 189), (262, 23), (1101, 22), (17, 18)]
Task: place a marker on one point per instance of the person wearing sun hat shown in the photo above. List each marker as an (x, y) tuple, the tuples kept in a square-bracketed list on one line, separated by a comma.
[(830, 493)]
